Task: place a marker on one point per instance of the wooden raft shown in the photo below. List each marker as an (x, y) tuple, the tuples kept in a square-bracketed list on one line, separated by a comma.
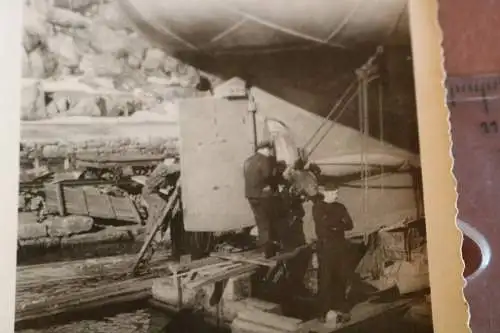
[(52, 289), (228, 265)]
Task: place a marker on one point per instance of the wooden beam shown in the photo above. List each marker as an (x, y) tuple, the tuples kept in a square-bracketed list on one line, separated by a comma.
[(78, 271), (199, 283), (172, 200), (60, 199), (71, 301)]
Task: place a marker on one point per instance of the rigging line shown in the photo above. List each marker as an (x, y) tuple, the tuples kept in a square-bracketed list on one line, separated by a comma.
[(366, 131), (393, 29), (344, 108), (346, 20), (132, 10), (283, 29), (229, 30), (381, 125), (368, 63), (332, 111), (332, 124)]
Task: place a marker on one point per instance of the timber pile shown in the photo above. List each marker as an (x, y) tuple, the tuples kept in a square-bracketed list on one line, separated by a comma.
[(57, 288)]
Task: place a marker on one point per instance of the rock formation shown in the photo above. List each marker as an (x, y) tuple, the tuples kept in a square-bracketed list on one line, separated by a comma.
[(90, 48)]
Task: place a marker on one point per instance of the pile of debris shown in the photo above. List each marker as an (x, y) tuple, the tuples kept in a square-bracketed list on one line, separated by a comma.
[(90, 48)]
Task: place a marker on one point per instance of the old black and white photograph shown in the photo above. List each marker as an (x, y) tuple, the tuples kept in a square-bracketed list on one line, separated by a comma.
[(241, 166)]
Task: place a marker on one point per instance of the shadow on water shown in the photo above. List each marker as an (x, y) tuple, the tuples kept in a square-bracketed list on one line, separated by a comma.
[(139, 317), (34, 256)]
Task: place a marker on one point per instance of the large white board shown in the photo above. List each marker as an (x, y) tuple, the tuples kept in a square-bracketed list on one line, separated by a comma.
[(216, 136)]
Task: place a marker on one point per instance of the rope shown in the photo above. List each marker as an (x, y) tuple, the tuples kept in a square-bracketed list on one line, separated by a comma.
[(367, 65), (332, 124), (332, 111), (381, 127)]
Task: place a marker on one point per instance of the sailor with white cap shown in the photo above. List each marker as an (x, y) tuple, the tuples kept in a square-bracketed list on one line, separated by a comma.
[(331, 220)]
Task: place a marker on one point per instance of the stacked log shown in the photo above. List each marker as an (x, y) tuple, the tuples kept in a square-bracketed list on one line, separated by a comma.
[(59, 288)]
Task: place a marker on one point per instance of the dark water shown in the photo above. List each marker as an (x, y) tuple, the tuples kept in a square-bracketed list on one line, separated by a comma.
[(34, 256), (129, 318)]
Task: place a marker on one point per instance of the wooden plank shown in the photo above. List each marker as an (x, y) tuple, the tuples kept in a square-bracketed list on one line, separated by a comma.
[(97, 205), (125, 209), (286, 324), (122, 159), (51, 202), (79, 270), (75, 201), (199, 283), (235, 257), (60, 199), (172, 200), (196, 264), (142, 181), (78, 301), (359, 314)]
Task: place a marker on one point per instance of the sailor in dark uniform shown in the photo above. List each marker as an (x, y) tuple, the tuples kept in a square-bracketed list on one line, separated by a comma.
[(331, 220), (260, 190)]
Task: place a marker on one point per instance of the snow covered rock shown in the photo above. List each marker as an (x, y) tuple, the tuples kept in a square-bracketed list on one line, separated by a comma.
[(64, 47), (86, 107), (32, 100), (69, 225), (31, 231), (154, 58)]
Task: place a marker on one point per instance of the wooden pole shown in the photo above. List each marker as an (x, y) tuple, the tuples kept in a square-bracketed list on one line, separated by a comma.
[(60, 199), (172, 200)]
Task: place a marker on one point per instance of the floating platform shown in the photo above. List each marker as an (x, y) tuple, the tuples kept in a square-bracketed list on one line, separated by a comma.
[(57, 289), (220, 286)]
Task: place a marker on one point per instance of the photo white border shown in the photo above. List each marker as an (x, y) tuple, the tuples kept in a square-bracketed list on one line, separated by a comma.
[(446, 266)]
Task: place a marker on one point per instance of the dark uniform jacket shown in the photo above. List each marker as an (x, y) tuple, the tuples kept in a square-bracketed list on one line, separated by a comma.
[(259, 176), (331, 220)]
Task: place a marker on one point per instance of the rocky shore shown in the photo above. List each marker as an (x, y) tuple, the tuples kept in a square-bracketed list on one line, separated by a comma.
[(83, 58), (52, 140)]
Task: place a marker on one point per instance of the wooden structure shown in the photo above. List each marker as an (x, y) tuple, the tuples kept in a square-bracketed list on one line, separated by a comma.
[(111, 166), (220, 285), (51, 289), (82, 198), (170, 210)]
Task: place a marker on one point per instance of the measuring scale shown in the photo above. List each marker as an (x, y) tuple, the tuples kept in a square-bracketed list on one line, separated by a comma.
[(474, 104)]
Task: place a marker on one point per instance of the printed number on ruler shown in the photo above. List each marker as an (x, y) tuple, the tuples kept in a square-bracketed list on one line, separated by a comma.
[(477, 100)]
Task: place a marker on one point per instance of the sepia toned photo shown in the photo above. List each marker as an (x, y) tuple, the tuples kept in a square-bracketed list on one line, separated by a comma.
[(220, 166)]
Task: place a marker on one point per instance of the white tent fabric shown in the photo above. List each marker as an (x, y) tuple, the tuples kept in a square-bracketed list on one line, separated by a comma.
[(237, 25)]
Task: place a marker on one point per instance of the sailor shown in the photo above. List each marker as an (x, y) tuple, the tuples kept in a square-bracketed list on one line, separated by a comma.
[(331, 220), (165, 173), (260, 191), (291, 237)]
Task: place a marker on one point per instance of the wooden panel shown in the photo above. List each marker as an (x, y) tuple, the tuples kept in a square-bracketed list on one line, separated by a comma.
[(216, 138), (125, 209), (51, 202), (75, 201), (98, 207)]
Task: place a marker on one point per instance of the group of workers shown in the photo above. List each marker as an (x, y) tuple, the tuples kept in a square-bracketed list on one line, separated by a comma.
[(276, 194)]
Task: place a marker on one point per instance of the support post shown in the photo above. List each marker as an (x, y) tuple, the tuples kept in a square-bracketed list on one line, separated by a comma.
[(252, 108), (60, 199)]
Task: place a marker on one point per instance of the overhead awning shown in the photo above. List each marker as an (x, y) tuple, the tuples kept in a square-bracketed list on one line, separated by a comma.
[(219, 26)]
